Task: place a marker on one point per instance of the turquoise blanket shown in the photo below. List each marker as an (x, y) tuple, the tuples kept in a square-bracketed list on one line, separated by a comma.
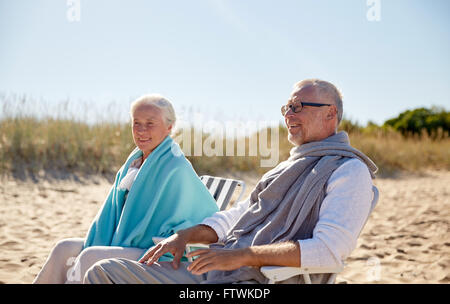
[(166, 196)]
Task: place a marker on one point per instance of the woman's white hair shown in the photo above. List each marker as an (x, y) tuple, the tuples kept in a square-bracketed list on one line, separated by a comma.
[(158, 101)]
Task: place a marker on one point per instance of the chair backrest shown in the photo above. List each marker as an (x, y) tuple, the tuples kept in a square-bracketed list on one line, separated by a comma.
[(222, 189)]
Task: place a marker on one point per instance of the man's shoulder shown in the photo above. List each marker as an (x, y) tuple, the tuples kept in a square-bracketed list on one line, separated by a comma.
[(353, 169), (352, 176), (353, 164)]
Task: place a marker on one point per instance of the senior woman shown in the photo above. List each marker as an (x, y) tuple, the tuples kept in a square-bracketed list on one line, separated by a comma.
[(155, 193)]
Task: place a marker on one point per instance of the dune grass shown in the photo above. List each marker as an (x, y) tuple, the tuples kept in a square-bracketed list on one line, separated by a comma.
[(393, 152), (38, 143), (31, 144)]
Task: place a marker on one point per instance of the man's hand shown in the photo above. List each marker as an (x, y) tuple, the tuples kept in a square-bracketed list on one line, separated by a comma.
[(278, 254), (218, 259), (176, 244)]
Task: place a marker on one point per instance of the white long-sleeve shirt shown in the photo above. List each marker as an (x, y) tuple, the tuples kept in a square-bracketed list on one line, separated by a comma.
[(342, 215)]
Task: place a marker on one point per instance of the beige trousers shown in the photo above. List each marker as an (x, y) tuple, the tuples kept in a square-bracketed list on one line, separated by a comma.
[(124, 271), (68, 262)]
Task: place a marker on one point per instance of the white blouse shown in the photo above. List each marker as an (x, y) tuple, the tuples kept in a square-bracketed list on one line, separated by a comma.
[(131, 175)]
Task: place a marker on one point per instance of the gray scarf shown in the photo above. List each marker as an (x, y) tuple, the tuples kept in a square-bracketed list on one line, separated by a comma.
[(286, 201)]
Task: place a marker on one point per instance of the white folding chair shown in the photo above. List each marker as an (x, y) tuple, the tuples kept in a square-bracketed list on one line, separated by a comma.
[(222, 190), (281, 273)]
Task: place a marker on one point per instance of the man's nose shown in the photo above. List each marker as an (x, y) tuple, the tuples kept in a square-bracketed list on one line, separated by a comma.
[(289, 112)]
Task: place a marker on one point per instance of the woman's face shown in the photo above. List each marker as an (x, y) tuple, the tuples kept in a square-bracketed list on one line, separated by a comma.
[(149, 128)]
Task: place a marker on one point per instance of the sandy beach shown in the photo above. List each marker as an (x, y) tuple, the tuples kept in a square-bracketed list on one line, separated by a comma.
[(406, 240)]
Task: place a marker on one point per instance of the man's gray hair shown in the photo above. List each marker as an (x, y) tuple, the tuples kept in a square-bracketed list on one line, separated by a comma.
[(328, 89), (158, 101)]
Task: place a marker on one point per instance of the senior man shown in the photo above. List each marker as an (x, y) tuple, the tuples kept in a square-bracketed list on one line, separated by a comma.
[(307, 211)]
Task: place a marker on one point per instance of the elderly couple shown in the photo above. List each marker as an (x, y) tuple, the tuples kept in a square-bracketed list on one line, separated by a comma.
[(307, 211)]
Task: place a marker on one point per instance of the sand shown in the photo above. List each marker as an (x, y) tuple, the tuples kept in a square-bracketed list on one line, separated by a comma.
[(406, 240)]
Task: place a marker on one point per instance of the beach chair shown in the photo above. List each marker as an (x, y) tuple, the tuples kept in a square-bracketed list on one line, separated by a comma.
[(222, 190), (281, 273)]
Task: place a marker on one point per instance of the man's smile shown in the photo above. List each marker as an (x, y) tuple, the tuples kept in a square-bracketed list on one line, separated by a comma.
[(293, 126)]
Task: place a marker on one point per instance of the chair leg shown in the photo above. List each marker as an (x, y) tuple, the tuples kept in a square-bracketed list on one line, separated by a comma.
[(307, 278), (332, 278)]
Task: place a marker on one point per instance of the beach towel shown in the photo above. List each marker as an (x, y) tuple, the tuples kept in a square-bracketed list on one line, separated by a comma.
[(166, 196)]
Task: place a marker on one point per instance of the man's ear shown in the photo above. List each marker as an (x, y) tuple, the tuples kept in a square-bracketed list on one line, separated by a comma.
[(332, 112)]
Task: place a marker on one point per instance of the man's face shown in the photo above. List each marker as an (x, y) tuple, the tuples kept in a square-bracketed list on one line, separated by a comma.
[(149, 128), (311, 123)]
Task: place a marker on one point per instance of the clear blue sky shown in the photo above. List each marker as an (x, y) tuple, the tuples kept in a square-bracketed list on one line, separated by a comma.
[(229, 59)]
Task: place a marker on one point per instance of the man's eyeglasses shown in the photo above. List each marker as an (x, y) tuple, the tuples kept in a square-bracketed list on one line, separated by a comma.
[(298, 106)]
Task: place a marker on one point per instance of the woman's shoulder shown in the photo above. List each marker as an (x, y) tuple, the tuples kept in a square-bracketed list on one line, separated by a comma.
[(182, 164), (178, 162)]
